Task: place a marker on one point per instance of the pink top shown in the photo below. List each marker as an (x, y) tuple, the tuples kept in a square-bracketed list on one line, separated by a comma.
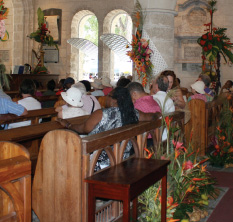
[(147, 104), (38, 93), (198, 96), (107, 90)]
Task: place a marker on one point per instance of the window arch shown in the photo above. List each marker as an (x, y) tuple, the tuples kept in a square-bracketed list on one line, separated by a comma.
[(84, 25), (117, 22)]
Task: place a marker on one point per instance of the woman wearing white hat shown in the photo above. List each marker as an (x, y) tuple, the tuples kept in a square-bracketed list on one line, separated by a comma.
[(98, 88), (199, 92), (73, 98)]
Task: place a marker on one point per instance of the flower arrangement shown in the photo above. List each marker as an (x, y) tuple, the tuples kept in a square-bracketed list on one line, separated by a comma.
[(4, 35), (140, 55), (214, 42), (42, 34), (222, 155), (189, 184), (141, 52)]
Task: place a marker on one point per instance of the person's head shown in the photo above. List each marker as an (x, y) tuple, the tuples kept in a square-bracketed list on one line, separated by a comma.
[(73, 97), (87, 84), (27, 86), (198, 87), (122, 99), (68, 83), (106, 82), (206, 79), (51, 85), (171, 78), (136, 90), (228, 84), (37, 84), (160, 84), (81, 87), (130, 78), (123, 82), (97, 84), (61, 83)]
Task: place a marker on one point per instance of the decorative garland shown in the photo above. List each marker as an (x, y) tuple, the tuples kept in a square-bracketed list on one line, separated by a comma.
[(4, 35), (140, 53)]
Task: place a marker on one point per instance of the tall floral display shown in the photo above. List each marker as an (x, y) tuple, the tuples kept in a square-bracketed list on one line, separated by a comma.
[(140, 53), (214, 43), (3, 15), (43, 37)]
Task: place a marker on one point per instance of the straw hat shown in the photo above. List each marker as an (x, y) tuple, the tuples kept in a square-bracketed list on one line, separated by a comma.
[(97, 84), (199, 87), (106, 82), (73, 97)]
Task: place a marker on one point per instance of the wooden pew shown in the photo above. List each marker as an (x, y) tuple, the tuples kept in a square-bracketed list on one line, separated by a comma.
[(33, 115), (65, 159), (203, 122), (15, 183)]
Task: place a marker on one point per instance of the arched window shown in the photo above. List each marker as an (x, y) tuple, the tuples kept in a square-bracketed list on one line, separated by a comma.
[(84, 29)]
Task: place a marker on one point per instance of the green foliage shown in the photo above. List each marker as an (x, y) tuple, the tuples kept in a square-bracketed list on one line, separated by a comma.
[(91, 29), (4, 78), (40, 15)]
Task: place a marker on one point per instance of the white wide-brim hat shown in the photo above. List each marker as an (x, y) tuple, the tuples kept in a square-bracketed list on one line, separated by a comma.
[(97, 84), (73, 96), (106, 82), (199, 87)]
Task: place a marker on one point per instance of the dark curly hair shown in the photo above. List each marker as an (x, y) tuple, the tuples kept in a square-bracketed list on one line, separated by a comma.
[(125, 104)]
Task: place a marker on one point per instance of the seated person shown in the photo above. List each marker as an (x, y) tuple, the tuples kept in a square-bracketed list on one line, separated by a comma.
[(87, 85), (60, 87), (177, 95), (227, 87), (206, 79), (50, 92), (68, 83), (141, 100), (120, 112), (37, 92), (90, 103), (27, 91), (98, 88), (199, 92), (107, 86), (159, 88), (73, 98), (123, 82)]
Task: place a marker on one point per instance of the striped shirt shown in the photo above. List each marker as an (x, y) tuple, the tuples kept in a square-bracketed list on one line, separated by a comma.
[(7, 106)]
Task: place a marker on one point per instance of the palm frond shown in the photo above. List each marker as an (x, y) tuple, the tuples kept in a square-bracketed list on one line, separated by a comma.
[(138, 16)]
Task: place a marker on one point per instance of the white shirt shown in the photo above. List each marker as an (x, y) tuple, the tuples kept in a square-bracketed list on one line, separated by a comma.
[(166, 104), (29, 103), (70, 112)]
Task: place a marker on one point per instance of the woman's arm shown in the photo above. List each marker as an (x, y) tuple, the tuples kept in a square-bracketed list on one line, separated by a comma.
[(87, 126)]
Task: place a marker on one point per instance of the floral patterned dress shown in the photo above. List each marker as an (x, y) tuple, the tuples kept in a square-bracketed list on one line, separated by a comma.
[(111, 119)]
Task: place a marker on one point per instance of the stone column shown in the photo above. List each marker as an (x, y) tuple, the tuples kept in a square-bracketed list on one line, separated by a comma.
[(159, 24)]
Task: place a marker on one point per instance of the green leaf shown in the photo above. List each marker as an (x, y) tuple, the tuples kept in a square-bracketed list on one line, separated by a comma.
[(40, 15)]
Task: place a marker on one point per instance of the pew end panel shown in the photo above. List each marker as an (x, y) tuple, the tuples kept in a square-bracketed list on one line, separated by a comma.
[(15, 183), (57, 182)]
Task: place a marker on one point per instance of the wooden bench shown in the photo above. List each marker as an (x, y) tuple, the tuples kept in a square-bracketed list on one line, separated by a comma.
[(30, 136), (203, 122), (65, 160), (33, 115), (15, 183)]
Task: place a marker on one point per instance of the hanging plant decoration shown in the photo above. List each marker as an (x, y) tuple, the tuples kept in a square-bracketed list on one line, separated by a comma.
[(4, 35), (140, 53)]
